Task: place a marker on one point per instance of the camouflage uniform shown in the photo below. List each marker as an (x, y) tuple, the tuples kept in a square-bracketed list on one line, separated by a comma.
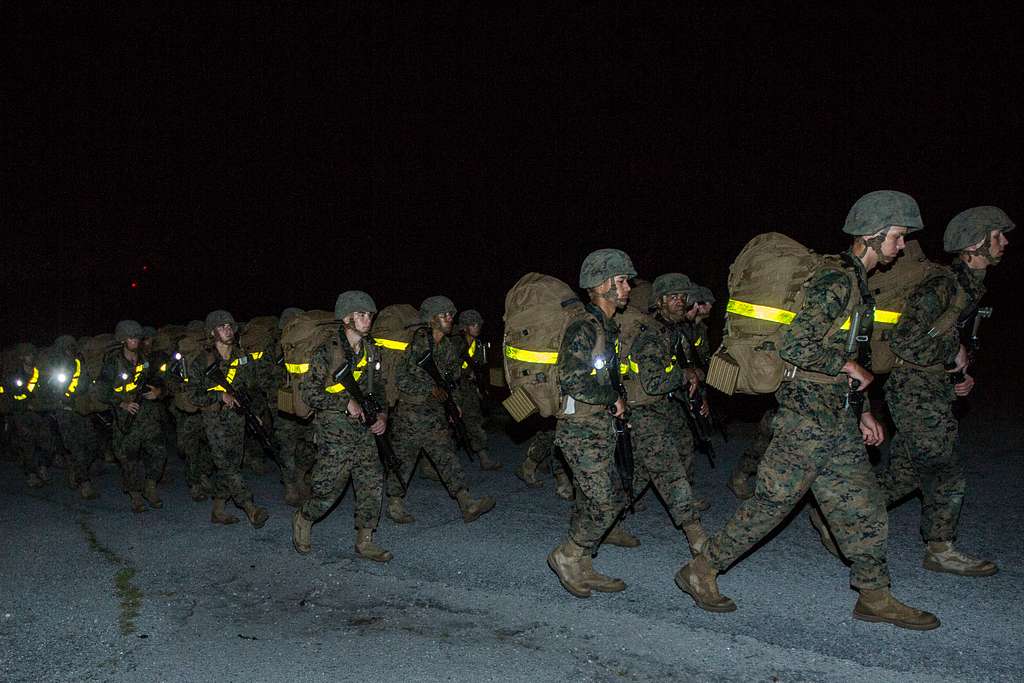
[(467, 395), (225, 428), (746, 466), (920, 397), (656, 446), (140, 450), (75, 430), (31, 439), (345, 447), (193, 447), (419, 420), (818, 445), (586, 433)]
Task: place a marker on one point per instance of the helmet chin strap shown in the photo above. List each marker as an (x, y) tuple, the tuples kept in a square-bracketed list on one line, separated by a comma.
[(986, 251)]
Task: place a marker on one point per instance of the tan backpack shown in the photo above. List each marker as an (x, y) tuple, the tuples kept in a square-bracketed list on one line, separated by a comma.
[(302, 335), (93, 351), (632, 321), (392, 331), (767, 283), (259, 335)]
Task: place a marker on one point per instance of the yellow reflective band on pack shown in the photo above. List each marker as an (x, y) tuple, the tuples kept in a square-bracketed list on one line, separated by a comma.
[(31, 386), (74, 379), (766, 313), (230, 376), (471, 352), (700, 340), (633, 366), (392, 344), (163, 367), (297, 368), (884, 317), (356, 374), (545, 357), (623, 368)]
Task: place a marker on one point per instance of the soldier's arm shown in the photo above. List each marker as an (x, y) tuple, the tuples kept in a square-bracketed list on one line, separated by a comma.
[(803, 343), (910, 340), (106, 382), (314, 384), (198, 383), (659, 374), (410, 378), (574, 366)]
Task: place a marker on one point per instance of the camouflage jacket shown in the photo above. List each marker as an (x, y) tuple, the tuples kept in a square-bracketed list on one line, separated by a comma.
[(948, 293), (579, 376), (806, 343), (413, 380), (64, 378), (695, 338), (121, 380), (241, 370), (319, 389), (469, 359), (19, 389), (652, 362)]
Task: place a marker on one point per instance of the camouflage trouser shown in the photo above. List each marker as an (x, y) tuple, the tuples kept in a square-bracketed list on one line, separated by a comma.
[(588, 444), (31, 440), (423, 425), (141, 451), (345, 448), (924, 453), (817, 447), (193, 447), (472, 416), (681, 431), (542, 446), (225, 432), (656, 455), (746, 466), (76, 434), (292, 434)]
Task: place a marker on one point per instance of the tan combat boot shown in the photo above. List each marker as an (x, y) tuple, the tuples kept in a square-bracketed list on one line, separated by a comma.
[(943, 557), (879, 605), (473, 509), (740, 486), (86, 491), (563, 486), (566, 561), (302, 529), (596, 581), (257, 515), (486, 463), (397, 512), (196, 492), (293, 495), (527, 473), (699, 580), (150, 494), (217, 514), (622, 538), (138, 505), (696, 537), (819, 525), (367, 549)]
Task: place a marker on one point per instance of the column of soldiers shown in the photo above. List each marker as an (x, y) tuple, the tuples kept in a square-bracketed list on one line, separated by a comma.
[(809, 444)]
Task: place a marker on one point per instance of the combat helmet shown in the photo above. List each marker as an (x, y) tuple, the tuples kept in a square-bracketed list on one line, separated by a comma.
[(127, 329), (881, 209), (603, 264), (669, 283), (972, 226), (436, 305), (469, 317), (351, 301), (217, 318)]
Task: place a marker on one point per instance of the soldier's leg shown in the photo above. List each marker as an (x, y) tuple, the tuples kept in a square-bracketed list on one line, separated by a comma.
[(406, 444), (589, 450), (473, 417), (329, 477), (289, 433), (74, 433), (899, 478), (541, 446), (658, 462), (746, 466), (225, 432), (368, 482)]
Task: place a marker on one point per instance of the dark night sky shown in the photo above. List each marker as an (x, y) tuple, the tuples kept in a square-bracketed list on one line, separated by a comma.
[(257, 156)]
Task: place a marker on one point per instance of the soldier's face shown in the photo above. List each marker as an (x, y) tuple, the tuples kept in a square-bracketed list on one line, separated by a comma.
[(703, 310), (444, 322), (225, 334), (692, 311), (673, 306), (474, 329), (360, 322), (132, 343), (997, 244), (893, 244)]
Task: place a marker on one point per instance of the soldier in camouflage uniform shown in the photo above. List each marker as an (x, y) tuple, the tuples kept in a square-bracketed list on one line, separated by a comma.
[(31, 439), (920, 391), (68, 380), (419, 421), (653, 374), (343, 433), (468, 394), (293, 433), (746, 466), (586, 430), (188, 420), (819, 444), (224, 424), (542, 448), (129, 384)]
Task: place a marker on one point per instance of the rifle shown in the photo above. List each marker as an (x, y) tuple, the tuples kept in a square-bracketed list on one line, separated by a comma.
[(475, 365), (701, 426), (624, 463), (145, 379), (971, 342), (856, 341), (451, 409), (253, 422), (371, 408)]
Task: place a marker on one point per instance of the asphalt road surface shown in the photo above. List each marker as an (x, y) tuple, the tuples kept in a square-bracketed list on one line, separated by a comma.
[(91, 591)]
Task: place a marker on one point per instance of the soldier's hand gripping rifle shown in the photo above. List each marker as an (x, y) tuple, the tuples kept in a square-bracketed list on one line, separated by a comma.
[(971, 341), (856, 341), (701, 425), (451, 409), (253, 422), (371, 409), (148, 378), (624, 462)]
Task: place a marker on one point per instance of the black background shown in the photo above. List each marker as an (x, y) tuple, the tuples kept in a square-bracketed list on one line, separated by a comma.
[(253, 156)]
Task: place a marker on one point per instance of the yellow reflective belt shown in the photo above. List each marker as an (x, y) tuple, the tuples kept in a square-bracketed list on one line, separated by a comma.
[(74, 379), (767, 313), (546, 357), (356, 374), (31, 386), (633, 366), (392, 344), (884, 317), (297, 368)]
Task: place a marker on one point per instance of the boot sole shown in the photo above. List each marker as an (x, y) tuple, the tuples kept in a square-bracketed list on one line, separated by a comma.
[(381, 558), (874, 619), (934, 567), (225, 520), (707, 607), (573, 591), (478, 514)]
